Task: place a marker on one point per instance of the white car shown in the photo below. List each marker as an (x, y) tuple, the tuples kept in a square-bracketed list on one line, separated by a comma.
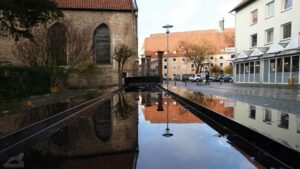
[(195, 78)]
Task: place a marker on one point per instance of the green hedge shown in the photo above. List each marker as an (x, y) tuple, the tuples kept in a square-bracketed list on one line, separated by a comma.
[(18, 82)]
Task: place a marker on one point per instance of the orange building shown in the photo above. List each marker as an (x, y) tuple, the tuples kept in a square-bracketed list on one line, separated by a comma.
[(177, 113), (222, 43)]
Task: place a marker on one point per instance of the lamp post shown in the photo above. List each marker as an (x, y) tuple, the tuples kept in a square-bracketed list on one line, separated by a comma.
[(167, 133), (168, 27)]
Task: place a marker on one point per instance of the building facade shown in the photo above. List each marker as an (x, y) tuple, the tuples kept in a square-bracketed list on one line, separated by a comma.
[(111, 23), (267, 42), (176, 63)]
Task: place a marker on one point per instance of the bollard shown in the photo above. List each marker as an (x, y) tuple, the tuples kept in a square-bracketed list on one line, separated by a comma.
[(185, 82), (175, 82), (197, 83)]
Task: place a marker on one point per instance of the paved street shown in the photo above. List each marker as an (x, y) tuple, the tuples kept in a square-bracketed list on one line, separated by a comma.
[(283, 99)]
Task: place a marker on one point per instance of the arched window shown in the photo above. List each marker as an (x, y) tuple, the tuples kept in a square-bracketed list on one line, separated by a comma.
[(102, 45), (57, 43)]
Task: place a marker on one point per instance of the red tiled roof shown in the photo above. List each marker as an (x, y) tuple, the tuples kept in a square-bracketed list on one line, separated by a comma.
[(242, 5), (157, 42), (96, 4)]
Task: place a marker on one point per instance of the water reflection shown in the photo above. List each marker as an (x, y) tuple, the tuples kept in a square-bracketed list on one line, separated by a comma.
[(99, 137), (193, 145), (280, 126)]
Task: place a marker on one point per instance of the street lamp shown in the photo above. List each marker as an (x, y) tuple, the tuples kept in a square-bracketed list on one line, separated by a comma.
[(168, 27)]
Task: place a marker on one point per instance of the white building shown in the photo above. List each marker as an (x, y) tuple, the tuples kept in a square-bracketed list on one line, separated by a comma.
[(267, 41)]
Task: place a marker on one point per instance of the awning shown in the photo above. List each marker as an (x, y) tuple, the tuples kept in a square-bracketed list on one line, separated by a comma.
[(244, 54), (295, 43), (275, 48), (259, 51)]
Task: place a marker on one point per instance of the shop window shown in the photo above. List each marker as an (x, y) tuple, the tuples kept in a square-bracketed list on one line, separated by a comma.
[(257, 71), (272, 70), (287, 69)]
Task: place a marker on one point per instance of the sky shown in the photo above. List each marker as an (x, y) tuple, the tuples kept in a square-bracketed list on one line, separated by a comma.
[(184, 15)]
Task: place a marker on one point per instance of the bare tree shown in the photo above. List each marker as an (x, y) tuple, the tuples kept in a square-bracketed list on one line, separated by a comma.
[(42, 51), (121, 54), (197, 53)]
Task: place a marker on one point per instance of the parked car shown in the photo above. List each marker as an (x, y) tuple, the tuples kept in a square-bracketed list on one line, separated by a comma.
[(196, 78), (227, 78), (177, 78), (185, 77)]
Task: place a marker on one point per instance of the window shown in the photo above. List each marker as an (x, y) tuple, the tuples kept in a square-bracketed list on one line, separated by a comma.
[(174, 75), (211, 64), (287, 4), (287, 64), (165, 66), (257, 66), (270, 9), (286, 30), (165, 60), (254, 16), (221, 64), (211, 58), (254, 40), (252, 112), (165, 74), (183, 59), (237, 68), (221, 57), (251, 67), (192, 65), (57, 39), (284, 121), (230, 64), (174, 59), (102, 45), (272, 65), (269, 36), (268, 116), (246, 68)]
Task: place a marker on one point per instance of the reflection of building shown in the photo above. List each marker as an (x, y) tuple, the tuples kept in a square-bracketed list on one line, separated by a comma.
[(177, 113), (267, 42), (219, 54), (280, 126)]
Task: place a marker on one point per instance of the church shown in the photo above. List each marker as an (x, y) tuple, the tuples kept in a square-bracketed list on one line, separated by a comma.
[(112, 22)]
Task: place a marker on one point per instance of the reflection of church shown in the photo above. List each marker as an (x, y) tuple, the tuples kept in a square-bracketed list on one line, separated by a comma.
[(95, 139)]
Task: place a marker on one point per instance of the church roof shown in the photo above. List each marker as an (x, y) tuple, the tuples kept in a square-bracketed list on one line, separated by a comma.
[(117, 5)]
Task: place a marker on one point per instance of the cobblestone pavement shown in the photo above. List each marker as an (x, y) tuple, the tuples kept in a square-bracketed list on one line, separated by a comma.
[(284, 99)]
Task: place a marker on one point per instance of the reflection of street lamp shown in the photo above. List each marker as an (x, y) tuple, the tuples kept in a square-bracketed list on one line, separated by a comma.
[(168, 27), (167, 133)]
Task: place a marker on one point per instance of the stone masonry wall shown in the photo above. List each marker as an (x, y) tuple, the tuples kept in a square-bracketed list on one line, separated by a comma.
[(123, 30)]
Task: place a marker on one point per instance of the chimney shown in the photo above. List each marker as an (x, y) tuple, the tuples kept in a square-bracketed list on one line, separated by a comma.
[(221, 25)]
